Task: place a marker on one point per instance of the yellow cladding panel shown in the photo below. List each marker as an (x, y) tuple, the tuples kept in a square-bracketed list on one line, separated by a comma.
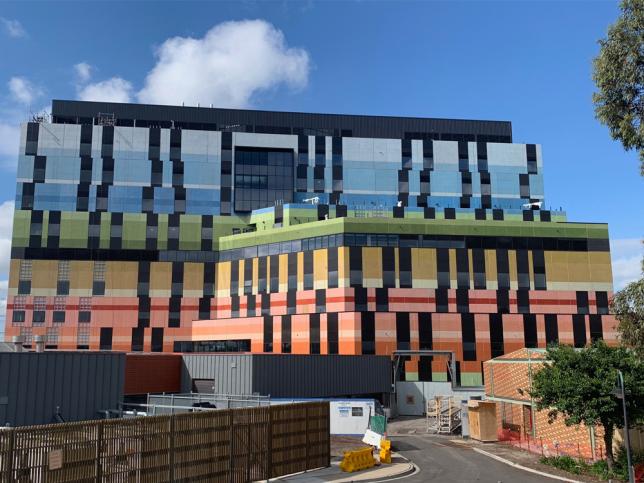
[(193, 277), (121, 278), (490, 265), (452, 267), (283, 272), (80, 276), (578, 267), (371, 266), (600, 267), (556, 266), (240, 276), (44, 274), (423, 266), (320, 268), (255, 262), (343, 266), (14, 273), (300, 270), (223, 279), (512, 262), (160, 276)]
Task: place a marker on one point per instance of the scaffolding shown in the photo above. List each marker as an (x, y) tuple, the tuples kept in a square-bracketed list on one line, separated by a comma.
[(443, 415)]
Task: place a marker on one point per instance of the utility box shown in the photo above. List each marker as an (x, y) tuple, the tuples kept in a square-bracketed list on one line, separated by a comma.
[(482, 418)]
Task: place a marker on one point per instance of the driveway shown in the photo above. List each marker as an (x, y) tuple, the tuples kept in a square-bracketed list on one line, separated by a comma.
[(444, 461)]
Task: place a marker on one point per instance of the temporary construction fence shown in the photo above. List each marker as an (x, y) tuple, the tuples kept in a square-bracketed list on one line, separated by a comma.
[(234, 445)]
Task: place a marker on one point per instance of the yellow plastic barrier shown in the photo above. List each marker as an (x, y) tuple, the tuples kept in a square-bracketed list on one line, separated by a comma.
[(385, 451), (357, 460)]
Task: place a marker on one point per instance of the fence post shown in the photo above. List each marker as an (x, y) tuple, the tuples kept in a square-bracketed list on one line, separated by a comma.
[(306, 431), (99, 447), (249, 415), (269, 445), (541, 442), (10, 453), (231, 446), (171, 450), (328, 433)]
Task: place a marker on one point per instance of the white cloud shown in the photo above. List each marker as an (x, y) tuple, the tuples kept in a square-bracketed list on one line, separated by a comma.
[(23, 90), (626, 257), (230, 64), (115, 89), (83, 72), (13, 28), (226, 67)]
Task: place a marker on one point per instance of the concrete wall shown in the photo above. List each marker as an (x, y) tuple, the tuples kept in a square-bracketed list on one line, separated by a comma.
[(33, 384)]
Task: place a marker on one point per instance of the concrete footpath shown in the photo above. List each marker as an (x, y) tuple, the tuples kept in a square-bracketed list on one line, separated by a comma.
[(399, 467)]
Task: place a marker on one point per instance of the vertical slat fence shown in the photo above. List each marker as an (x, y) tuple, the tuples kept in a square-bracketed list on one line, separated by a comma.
[(231, 446)]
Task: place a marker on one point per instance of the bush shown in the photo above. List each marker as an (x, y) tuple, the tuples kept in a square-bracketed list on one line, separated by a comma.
[(565, 463), (598, 468)]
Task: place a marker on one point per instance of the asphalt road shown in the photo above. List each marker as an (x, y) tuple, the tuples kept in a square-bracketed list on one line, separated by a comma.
[(446, 462)]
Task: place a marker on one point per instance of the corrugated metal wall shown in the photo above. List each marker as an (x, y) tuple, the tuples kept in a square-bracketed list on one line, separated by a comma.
[(33, 384), (284, 375), (232, 373), (304, 376)]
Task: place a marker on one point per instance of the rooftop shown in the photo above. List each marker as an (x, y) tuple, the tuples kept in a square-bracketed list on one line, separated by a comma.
[(278, 122)]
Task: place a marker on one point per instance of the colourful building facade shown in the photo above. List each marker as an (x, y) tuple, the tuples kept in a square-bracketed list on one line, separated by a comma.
[(152, 228)]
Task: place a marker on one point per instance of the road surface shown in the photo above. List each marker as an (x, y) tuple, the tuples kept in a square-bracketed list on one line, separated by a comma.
[(445, 462)]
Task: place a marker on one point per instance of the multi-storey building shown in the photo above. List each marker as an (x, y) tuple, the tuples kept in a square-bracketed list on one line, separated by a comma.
[(156, 228)]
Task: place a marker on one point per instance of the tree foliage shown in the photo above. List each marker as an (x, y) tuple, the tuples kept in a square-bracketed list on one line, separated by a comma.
[(579, 385), (628, 307), (619, 76)]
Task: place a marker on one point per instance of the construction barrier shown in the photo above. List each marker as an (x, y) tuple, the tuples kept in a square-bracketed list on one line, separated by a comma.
[(385, 451), (357, 460)]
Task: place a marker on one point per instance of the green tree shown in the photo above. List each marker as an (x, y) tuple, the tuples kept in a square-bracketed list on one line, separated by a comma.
[(579, 385), (628, 307), (619, 76)]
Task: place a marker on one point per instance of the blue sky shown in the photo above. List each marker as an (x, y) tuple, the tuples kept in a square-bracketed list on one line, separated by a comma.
[(527, 62)]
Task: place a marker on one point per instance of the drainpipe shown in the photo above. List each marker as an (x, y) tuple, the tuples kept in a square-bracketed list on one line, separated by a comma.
[(18, 341)]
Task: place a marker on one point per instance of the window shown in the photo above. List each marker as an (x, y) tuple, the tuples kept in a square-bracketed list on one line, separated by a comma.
[(356, 412), (262, 177), (18, 316), (105, 343), (40, 305), (157, 339)]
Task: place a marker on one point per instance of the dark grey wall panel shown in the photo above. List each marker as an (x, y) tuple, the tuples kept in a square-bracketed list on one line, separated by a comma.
[(209, 118), (232, 373), (308, 376), (81, 384)]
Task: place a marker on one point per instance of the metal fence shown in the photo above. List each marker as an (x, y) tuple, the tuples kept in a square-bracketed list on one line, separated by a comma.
[(234, 445), (181, 403)]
